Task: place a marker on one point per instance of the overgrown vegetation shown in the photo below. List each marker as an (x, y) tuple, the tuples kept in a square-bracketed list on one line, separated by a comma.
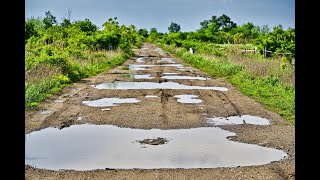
[(268, 89), (59, 54), (260, 62)]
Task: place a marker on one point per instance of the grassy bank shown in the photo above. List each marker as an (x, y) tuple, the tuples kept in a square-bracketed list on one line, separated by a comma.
[(48, 74), (269, 88)]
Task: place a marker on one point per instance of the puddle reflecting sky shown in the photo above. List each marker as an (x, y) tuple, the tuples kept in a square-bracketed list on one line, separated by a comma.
[(244, 119), (88, 147), (141, 76), (184, 77), (140, 60), (185, 98), (109, 102), (152, 85)]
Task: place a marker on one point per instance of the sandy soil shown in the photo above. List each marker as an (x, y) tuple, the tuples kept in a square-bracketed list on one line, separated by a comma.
[(166, 113)]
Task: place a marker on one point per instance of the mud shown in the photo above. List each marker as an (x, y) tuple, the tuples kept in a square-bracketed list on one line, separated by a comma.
[(164, 112)]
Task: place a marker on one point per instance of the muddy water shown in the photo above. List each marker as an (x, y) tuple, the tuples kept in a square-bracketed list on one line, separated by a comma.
[(88, 147), (185, 98), (244, 119), (109, 102), (152, 85)]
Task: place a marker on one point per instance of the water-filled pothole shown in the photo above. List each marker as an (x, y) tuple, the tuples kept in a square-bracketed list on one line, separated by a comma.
[(140, 66), (89, 147), (244, 119), (141, 76), (185, 98), (173, 65), (170, 73), (185, 77), (166, 60), (47, 111), (152, 85), (104, 102), (140, 60)]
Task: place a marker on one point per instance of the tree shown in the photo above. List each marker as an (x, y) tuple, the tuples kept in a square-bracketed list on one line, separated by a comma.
[(66, 23), (153, 35), (86, 26), (204, 24), (32, 26), (143, 32), (49, 20), (174, 27), (225, 23), (111, 24)]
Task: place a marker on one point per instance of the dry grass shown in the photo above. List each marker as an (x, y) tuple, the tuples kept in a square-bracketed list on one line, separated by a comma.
[(41, 71), (261, 67), (93, 57)]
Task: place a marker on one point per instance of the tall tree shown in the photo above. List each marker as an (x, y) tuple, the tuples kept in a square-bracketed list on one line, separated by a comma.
[(204, 24), (49, 20), (143, 32), (174, 27), (86, 26), (225, 23)]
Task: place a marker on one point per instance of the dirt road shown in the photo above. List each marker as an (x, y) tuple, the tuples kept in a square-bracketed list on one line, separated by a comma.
[(163, 112)]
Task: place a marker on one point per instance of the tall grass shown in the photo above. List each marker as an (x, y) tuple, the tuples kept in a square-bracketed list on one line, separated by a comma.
[(260, 79), (46, 75)]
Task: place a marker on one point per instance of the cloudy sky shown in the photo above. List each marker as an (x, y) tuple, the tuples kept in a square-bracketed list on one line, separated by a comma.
[(160, 13)]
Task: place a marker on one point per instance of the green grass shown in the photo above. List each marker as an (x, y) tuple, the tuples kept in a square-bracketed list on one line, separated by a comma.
[(38, 86), (268, 90)]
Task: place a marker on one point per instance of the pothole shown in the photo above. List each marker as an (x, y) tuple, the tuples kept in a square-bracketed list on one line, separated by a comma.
[(104, 102), (185, 77), (152, 85), (140, 60), (169, 73), (185, 98), (141, 76), (243, 119), (140, 66), (88, 147)]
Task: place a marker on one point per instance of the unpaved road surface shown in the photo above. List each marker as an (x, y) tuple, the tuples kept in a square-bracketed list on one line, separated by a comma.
[(164, 112)]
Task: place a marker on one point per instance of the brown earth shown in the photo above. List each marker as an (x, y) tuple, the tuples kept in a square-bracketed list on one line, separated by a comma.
[(164, 112)]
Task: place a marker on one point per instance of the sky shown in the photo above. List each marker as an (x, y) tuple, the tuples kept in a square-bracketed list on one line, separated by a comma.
[(160, 13)]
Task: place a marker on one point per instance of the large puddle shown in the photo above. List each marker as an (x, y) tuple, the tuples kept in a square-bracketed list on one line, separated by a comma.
[(173, 65), (152, 85), (89, 147), (104, 102), (140, 66), (185, 77), (147, 66), (244, 119), (186, 98)]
